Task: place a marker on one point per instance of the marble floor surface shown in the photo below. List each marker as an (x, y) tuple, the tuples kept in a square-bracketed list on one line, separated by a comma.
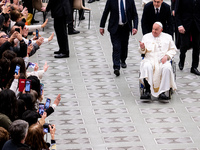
[(99, 111)]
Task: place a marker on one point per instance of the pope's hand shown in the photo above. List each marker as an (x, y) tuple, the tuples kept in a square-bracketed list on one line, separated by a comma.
[(164, 59), (142, 45)]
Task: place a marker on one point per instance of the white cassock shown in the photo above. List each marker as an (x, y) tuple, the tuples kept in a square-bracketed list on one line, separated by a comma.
[(159, 76)]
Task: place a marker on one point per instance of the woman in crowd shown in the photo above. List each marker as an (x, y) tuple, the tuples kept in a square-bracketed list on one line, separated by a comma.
[(16, 61), (35, 137), (4, 68), (4, 136), (8, 108)]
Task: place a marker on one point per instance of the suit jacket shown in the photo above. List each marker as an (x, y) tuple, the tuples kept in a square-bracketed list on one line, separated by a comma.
[(112, 7), (149, 18), (187, 12), (59, 8)]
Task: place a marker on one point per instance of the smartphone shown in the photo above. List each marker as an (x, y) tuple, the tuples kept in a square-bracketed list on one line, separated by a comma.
[(41, 108), (31, 65), (17, 29), (47, 104), (46, 127), (27, 85), (41, 88), (29, 42), (37, 33), (17, 69), (21, 84)]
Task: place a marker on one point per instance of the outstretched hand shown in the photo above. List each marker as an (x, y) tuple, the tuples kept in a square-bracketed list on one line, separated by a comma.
[(45, 67), (16, 76), (57, 100), (142, 46)]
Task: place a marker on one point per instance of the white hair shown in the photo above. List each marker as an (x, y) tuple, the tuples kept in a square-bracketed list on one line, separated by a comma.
[(159, 23)]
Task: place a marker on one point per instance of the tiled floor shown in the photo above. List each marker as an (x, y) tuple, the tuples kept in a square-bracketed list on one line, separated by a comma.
[(99, 111)]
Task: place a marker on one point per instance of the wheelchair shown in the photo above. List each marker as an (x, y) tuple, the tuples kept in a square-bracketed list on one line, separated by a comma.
[(168, 93)]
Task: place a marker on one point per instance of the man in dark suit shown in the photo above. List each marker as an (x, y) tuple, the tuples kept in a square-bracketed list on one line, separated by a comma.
[(188, 21), (61, 12), (157, 11), (120, 27)]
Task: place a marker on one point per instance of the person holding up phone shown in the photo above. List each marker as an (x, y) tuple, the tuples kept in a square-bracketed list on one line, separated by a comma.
[(6, 43), (35, 131), (14, 86)]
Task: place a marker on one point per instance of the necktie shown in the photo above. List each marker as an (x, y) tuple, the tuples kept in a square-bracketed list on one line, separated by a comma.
[(157, 12), (122, 12)]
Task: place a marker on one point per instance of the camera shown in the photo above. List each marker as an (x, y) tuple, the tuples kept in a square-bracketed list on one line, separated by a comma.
[(46, 127)]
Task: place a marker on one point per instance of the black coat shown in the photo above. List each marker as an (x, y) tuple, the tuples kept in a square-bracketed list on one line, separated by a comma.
[(149, 18), (59, 8), (113, 8), (187, 13)]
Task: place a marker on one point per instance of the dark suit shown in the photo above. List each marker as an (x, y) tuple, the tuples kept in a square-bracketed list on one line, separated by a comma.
[(175, 28), (188, 15), (60, 11), (149, 17), (119, 34)]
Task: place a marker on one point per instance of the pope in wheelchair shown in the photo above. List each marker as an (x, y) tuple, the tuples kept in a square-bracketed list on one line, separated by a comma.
[(156, 73)]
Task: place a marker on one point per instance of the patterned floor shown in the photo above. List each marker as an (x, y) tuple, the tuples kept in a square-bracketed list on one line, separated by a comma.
[(99, 111)]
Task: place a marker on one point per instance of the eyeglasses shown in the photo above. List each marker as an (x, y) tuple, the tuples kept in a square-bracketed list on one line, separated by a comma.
[(4, 36)]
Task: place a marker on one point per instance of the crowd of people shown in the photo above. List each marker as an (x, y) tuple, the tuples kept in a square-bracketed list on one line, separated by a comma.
[(22, 113)]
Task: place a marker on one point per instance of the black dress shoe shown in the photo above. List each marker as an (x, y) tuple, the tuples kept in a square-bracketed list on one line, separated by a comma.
[(82, 18), (162, 96), (91, 1), (146, 95), (74, 32), (195, 71), (61, 55), (180, 65), (116, 72), (123, 65), (57, 52)]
